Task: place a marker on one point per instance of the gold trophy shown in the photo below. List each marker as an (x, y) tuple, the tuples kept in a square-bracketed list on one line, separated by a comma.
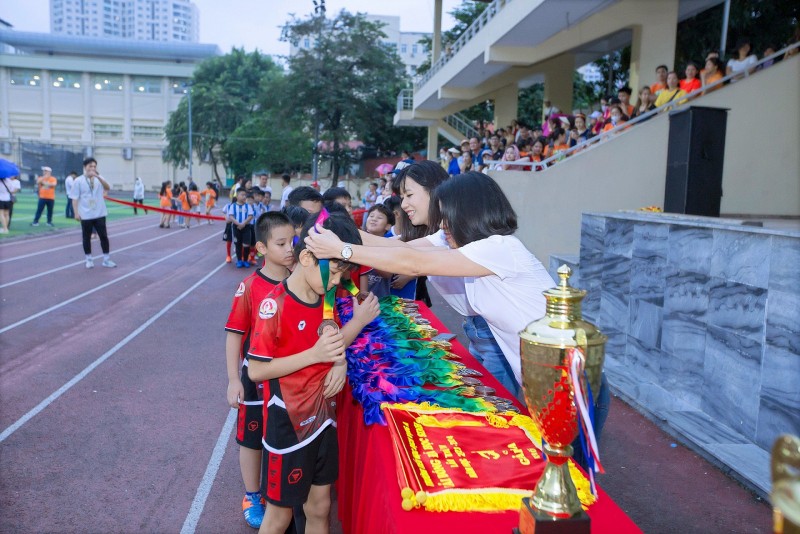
[(547, 349), (786, 485)]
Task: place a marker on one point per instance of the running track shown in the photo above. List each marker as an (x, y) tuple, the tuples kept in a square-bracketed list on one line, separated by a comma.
[(112, 384)]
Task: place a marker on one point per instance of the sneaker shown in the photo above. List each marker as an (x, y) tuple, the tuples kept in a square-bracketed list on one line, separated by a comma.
[(34, 224), (227, 259), (109, 264), (245, 264), (51, 225), (239, 264), (253, 509), (3, 231), (89, 263)]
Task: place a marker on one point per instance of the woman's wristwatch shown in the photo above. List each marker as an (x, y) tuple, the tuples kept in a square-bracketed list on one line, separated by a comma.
[(347, 252)]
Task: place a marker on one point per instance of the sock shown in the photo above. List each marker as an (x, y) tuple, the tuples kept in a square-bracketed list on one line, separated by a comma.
[(88, 256), (106, 257), (228, 247), (251, 494)]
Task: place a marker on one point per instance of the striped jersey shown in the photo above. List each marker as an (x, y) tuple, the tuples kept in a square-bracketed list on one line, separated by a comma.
[(239, 212)]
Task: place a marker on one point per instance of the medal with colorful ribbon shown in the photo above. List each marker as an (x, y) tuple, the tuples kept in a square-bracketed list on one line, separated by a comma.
[(328, 301)]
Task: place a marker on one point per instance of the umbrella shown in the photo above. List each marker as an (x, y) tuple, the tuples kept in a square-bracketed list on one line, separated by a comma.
[(384, 168), (7, 169)]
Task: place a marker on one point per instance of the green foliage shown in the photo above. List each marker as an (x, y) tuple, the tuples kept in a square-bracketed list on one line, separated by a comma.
[(348, 82), (225, 92)]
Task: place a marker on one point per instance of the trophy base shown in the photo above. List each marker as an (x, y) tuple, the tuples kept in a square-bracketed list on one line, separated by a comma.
[(533, 522)]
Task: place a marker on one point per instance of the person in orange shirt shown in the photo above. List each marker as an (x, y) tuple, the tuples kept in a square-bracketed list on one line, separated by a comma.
[(165, 202), (194, 199), (46, 184), (211, 198), (691, 82), (661, 82), (712, 73), (184, 201), (558, 143), (624, 95), (617, 118)]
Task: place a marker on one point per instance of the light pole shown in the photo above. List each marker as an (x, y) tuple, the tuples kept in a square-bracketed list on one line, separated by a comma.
[(319, 10), (188, 86)]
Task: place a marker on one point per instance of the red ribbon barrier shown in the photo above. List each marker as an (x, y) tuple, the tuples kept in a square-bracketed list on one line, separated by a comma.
[(193, 215)]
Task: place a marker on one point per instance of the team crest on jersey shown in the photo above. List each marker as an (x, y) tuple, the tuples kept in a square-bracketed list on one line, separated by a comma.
[(267, 309), (301, 325), (239, 290)]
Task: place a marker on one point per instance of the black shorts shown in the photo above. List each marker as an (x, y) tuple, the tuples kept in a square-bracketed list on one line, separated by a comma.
[(244, 236), (227, 234), (286, 479), (250, 420), (6, 204)]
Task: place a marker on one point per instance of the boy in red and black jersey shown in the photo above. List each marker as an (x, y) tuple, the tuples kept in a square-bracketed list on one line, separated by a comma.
[(274, 238), (305, 370)]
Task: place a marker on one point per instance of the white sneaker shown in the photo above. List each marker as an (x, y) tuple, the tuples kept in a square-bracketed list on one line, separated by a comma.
[(109, 263), (89, 263)]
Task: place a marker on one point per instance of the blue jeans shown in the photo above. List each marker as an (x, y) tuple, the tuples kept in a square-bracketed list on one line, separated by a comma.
[(485, 349), (44, 203), (70, 212)]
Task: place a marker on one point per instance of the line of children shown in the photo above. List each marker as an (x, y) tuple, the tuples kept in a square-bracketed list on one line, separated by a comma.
[(305, 368), (274, 240)]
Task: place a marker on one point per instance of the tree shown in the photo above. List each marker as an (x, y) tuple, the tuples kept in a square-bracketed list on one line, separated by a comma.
[(347, 83), (225, 92), (465, 15)]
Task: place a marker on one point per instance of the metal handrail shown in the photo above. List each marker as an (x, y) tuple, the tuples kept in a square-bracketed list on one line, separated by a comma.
[(461, 124), (605, 136), (483, 19)]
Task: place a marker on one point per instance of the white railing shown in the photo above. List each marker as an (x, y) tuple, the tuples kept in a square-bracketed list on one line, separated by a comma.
[(605, 136), (462, 124), (452, 49), (405, 100)]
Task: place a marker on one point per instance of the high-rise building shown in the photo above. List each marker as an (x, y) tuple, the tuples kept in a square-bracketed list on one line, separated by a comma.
[(144, 20)]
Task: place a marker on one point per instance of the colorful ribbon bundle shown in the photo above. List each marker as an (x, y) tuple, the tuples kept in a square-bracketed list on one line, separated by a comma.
[(390, 361)]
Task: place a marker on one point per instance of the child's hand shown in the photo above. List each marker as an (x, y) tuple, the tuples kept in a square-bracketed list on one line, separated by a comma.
[(235, 393), (334, 380), (367, 311), (329, 347), (399, 281)]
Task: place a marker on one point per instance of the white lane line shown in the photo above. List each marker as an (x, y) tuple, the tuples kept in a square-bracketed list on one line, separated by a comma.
[(53, 235), (71, 245), (91, 367), (98, 256), (199, 502), (102, 286)]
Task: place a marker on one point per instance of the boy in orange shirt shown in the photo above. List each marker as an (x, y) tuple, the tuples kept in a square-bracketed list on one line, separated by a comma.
[(47, 196)]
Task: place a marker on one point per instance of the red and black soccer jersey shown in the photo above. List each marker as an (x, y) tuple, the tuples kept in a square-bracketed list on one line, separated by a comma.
[(246, 301), (297, 411)]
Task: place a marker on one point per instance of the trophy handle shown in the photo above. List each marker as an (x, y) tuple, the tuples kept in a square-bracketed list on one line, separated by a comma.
[(786, 484)]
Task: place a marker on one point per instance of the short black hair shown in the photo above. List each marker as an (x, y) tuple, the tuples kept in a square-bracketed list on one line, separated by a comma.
[(286, 178), (474, 208), (193, 187), (339, 223), (383, 209), (335, 193), (334, 207), (88, 161), (625, 89), (662, 67), (297, 215), (305, 192), (269, 221), (393, 203), (428, 174)]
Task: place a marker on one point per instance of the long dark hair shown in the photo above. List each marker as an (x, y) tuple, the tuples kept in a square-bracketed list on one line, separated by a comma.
[(474, 208), (428, 174)]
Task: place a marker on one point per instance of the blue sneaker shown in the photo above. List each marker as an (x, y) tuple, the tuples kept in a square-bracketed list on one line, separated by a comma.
[(253, 508), (239, 264), (245, 264)]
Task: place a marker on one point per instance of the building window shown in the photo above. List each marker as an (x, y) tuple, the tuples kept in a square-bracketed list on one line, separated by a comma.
[(177, 86), (403, 48), (107, 130), (306, 43), (148, 131), (146, 84), (414, 49), (107, 82), (26, 77), (65, 80)]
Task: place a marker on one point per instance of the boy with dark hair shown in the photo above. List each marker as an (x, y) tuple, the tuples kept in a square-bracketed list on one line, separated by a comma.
[(307, 198), (274, 238), (238, 216), (380, 220), (287, 189), (258, 209), (339, 195), (298, 347)]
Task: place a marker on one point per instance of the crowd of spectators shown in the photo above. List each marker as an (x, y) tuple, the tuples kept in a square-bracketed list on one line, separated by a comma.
[(523, 143)]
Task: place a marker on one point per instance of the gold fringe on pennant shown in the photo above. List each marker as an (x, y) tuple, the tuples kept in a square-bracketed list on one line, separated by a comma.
[(490, 500), (582, 485)]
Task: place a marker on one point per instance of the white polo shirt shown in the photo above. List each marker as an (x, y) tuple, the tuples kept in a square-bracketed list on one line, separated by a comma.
[(91, 204)]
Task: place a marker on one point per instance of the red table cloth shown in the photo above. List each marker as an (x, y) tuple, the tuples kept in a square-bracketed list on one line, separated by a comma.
[(368, 492)]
